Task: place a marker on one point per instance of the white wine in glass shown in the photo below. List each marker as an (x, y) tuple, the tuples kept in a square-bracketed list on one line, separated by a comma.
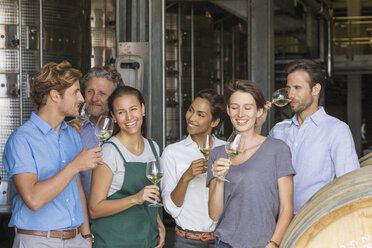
[(280, 97), (154, 173), (232, 153), (233, 148), (103, 129), (83, 113), (206, 147), (104, 135)]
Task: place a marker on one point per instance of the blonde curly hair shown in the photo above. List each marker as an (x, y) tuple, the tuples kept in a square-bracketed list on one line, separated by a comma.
[(52, 76)]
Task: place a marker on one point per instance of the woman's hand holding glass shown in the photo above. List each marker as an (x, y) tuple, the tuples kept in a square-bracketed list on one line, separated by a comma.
[(233, 147), (149, 193), (220, 168), (154, 173), (197, 167)]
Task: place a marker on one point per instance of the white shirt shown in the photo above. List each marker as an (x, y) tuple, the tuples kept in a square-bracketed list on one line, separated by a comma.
[(193, 214), (113, 160)]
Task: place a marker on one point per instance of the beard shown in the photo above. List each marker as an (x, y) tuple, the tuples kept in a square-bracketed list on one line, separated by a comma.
[(97, 112), (303, 105)]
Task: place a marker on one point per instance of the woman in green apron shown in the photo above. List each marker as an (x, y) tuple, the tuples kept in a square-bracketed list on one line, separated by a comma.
[(120, 192)]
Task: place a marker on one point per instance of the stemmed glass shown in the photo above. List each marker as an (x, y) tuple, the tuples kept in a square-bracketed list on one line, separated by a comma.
[(83, 113), (280, 97), (233, 147), (206, 147), (154, 173), (104, 128)]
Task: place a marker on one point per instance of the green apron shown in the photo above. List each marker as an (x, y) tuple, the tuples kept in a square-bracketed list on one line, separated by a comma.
[(135, 227)]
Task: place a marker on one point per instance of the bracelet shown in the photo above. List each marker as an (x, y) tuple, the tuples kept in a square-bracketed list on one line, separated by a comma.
[(274, 243)]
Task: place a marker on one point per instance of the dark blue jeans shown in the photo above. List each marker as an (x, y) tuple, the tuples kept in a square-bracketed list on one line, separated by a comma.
[(220, 244)]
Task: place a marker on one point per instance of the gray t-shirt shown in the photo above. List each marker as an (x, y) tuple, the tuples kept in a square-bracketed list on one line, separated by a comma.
[(113, 160), (251, 198)]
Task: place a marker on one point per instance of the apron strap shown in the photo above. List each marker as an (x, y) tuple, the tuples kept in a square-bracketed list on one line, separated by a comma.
[(121, 155), (151, 145), (153, 149)]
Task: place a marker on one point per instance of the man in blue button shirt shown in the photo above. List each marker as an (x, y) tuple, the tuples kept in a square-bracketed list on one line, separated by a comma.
[(98, 84), (43, 159), (322, 146)]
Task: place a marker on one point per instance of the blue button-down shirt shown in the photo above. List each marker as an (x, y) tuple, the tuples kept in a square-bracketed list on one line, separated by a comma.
[(35, 147), (89, 140), (322, 149)]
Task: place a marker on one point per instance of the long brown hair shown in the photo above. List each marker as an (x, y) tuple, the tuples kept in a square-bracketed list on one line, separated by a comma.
[(126, 90)]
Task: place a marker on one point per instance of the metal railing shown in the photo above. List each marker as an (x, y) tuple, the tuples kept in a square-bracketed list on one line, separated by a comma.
[(352, 36)]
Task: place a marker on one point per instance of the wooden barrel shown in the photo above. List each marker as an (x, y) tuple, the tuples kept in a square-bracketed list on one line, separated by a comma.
[(339, 215), (366, 160)]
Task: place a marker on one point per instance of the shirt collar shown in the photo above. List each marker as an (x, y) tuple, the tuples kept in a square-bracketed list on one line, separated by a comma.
[(317, 117), (88, 123), (43, 125), (188, 141)]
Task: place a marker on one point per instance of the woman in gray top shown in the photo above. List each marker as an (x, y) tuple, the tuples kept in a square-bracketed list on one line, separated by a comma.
[(254, 209)]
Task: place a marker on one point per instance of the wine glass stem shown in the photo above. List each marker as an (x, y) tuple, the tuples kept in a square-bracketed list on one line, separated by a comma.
[(156, 201)]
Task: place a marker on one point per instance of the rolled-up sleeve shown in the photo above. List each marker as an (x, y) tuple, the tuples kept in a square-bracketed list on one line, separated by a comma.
[(169, 182), (343, 151)]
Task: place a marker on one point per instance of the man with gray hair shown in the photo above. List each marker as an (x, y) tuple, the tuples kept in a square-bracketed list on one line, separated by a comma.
[(97, 84)]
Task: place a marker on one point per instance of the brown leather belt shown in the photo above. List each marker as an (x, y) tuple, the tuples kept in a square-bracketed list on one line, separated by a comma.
[(206, 236), (59, 234)]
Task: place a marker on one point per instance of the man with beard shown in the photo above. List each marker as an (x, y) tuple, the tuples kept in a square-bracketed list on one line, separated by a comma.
[(322, 146), (98, 84)]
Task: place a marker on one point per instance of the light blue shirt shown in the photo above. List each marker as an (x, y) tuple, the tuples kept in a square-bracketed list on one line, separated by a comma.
[(89, 140), (35, 147), (322, 149)]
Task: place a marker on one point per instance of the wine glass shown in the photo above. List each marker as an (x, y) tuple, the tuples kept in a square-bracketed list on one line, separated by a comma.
[(104, 128), (233, 147), (154, 173), (206, 147), (280, 97), (83, 113)]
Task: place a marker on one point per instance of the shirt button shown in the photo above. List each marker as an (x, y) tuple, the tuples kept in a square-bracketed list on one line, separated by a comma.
[(73, 219), (67, 200), (63, 161), (295, 144)]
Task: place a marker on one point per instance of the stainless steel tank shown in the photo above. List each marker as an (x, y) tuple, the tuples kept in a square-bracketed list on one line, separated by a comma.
[(102, 32), (60, 28)]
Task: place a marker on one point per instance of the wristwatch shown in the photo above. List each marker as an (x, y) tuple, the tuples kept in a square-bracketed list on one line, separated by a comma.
[(87, 236)]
